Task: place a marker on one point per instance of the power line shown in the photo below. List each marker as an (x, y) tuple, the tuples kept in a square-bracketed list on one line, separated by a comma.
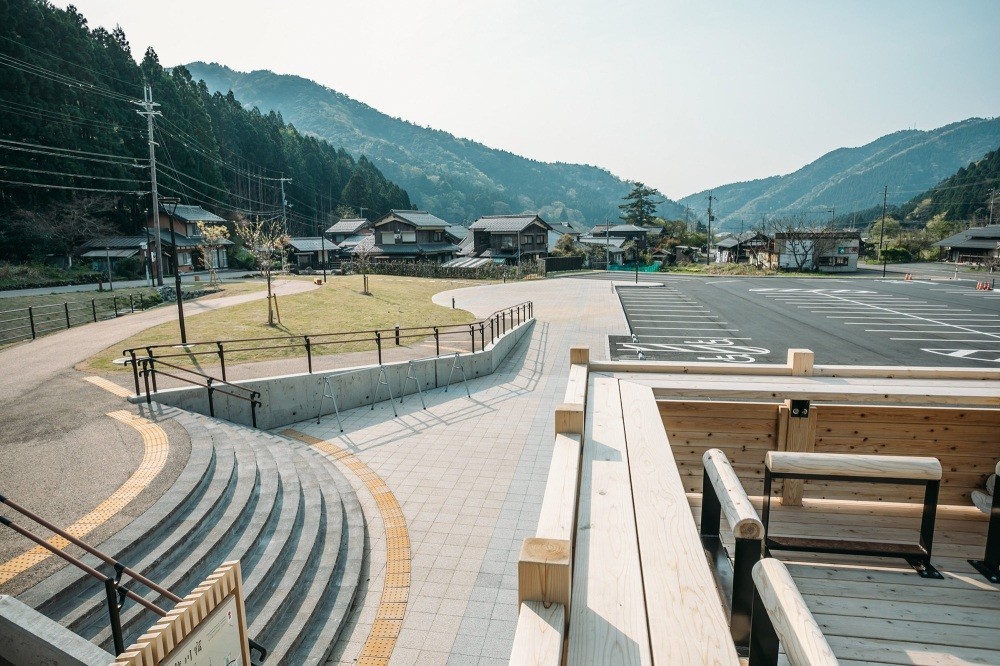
[(66, 187), (56, 77), (72, 175), (69, 62), (57, 150), (39, 113)]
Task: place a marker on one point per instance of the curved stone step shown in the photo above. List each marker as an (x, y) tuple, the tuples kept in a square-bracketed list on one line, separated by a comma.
[(90, 613), (319, 635), (60, 592), (182, 570)]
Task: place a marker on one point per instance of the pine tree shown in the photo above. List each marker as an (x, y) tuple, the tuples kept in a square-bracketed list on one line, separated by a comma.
[(640, 204)]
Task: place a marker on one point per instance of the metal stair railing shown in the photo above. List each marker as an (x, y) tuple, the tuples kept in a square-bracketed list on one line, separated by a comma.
[(115, 591)]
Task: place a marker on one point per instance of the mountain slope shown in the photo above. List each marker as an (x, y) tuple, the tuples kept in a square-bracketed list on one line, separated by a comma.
[(455, 178), (849, 179)]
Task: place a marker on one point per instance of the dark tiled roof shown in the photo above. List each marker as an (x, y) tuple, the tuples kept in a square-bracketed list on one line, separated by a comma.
[(457, 231), (506, 223), (415, 249), (973, 238), (191, 213), (418, 218), (348, 226), (119, 242), (316, 244), (630, 228), (563, 229)]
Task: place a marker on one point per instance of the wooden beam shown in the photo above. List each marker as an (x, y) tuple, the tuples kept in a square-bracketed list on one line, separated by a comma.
[(800, 636), (538, 640), (847, 465), (800, 437), (687, 622), (544, 571), (557, 518), (570, 418), (576, 385), (800, 362), (736, 507)]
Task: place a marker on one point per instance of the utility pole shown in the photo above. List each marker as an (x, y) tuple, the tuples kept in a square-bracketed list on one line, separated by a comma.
[(708, 254), (881, 250), (991, 206), (284, 205), (833, 217), (607, 246), (149, 110)]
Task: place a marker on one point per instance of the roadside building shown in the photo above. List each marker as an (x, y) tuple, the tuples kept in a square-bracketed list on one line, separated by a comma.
[(408, 235), (181, 223), (313, 252), (510, 239), (825, 251), (979, 245)]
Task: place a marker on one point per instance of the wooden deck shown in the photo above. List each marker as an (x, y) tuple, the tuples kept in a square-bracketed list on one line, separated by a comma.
[(878, 610)]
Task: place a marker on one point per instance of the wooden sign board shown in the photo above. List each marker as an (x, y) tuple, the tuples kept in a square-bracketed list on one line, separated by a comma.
[(208, 627)]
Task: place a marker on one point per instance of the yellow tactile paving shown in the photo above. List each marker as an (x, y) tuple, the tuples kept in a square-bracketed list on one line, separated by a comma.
[(109, 386), (154, 458), (377, 650)]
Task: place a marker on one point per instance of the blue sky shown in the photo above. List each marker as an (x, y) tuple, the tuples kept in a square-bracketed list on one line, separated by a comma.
[(681, 95)]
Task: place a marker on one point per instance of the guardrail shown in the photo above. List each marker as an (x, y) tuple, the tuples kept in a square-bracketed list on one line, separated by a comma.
[(38, 320), (149, 371), (489, 328)]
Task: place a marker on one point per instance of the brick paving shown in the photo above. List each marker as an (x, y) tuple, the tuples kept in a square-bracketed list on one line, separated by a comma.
[(470, 474)]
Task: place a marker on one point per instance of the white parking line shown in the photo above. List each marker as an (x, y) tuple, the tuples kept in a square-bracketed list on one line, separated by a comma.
[(689, 337), (680, 328), (984, 342)]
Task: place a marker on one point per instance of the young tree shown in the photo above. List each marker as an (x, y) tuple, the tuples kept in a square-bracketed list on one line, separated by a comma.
[(364, 254), (262, 238), (640, 205), (212, 235), (567, 247)]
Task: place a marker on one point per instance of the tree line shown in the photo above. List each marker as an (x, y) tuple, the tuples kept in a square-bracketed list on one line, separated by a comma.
[(74, 152)]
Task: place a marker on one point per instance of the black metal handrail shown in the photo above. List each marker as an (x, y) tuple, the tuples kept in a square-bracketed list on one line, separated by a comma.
[(149, 372), (498, 323), (115, 591), (31, 322)]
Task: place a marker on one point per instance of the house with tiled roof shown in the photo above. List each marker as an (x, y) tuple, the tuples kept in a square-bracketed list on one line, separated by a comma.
[(311, 252), (510, 238), (181, 223), (344, 229), (975, 246), (409, 235)]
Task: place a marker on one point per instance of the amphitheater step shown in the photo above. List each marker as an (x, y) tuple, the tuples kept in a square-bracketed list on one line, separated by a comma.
[(285, 511)]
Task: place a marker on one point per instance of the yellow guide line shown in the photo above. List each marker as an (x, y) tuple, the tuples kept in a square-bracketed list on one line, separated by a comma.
[(109, 386), (154, 458), (395, 591)]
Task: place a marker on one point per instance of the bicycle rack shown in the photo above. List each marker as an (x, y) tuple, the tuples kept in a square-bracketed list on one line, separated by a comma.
[(328, 392), (456, 366), (383, 380), (411, 375)]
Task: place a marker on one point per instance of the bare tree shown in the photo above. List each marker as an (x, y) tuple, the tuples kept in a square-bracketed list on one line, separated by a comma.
[(212, 236), (262, 239), (68, 224), (799, 247), (364, 253)]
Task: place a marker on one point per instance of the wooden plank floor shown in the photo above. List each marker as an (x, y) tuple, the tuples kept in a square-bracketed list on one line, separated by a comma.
[(878, 610)]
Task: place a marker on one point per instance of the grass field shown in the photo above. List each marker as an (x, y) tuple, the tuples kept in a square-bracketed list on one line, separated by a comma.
[(337, 306)]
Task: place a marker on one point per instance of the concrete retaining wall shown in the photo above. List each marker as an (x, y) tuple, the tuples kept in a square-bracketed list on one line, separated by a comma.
[(293, 398), (28, 638)]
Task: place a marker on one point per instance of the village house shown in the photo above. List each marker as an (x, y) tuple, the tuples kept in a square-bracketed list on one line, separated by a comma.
[(510, 239)]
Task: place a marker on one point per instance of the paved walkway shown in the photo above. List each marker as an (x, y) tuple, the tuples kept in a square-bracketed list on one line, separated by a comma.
[(470, 474)]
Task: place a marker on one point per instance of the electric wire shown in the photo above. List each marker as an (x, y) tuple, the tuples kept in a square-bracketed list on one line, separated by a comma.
[(68, 187)]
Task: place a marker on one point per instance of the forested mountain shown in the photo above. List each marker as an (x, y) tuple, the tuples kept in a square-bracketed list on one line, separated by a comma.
[(457, 179), (963, 197), (852, 179), (74, 152)]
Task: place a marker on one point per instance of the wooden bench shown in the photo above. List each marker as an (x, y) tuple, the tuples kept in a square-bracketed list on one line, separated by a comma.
[(989, 566), (865, 469), (781, 614), (643, 591)]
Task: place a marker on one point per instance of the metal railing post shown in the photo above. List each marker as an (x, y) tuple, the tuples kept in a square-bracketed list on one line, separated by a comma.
[(131, 303), (254, 404), (472, 334), (482, 335), (111, 592), (152, 367), (145, 377), (222, 360), (309, 356), (93, 308), (142, 303), (437, 342), (135, 370), (66, 308), (114, 301), (31, 322), (211, 402), (378, 343), (397, 335)]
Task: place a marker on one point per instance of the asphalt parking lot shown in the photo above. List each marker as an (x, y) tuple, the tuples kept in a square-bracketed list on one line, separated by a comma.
[(867, 321)]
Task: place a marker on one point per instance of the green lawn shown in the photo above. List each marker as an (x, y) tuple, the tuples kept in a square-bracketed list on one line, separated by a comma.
[(337, 306)]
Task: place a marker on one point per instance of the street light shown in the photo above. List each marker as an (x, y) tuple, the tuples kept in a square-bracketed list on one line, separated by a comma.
[(177, 271), (322, 244), (107, 254)]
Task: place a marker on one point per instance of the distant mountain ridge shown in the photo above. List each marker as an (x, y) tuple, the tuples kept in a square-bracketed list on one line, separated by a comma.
[(852, 179), (457, 179)]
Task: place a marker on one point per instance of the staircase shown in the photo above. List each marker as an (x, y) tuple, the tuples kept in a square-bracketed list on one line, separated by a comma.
[(282, 509)]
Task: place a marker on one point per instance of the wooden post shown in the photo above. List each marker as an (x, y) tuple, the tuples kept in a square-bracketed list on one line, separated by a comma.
[(570, 418), (800, 437), (579, 355), (800, 362), (545, 571)]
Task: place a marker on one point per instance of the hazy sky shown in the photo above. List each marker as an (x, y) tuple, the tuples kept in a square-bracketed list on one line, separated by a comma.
[(681, 95)]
